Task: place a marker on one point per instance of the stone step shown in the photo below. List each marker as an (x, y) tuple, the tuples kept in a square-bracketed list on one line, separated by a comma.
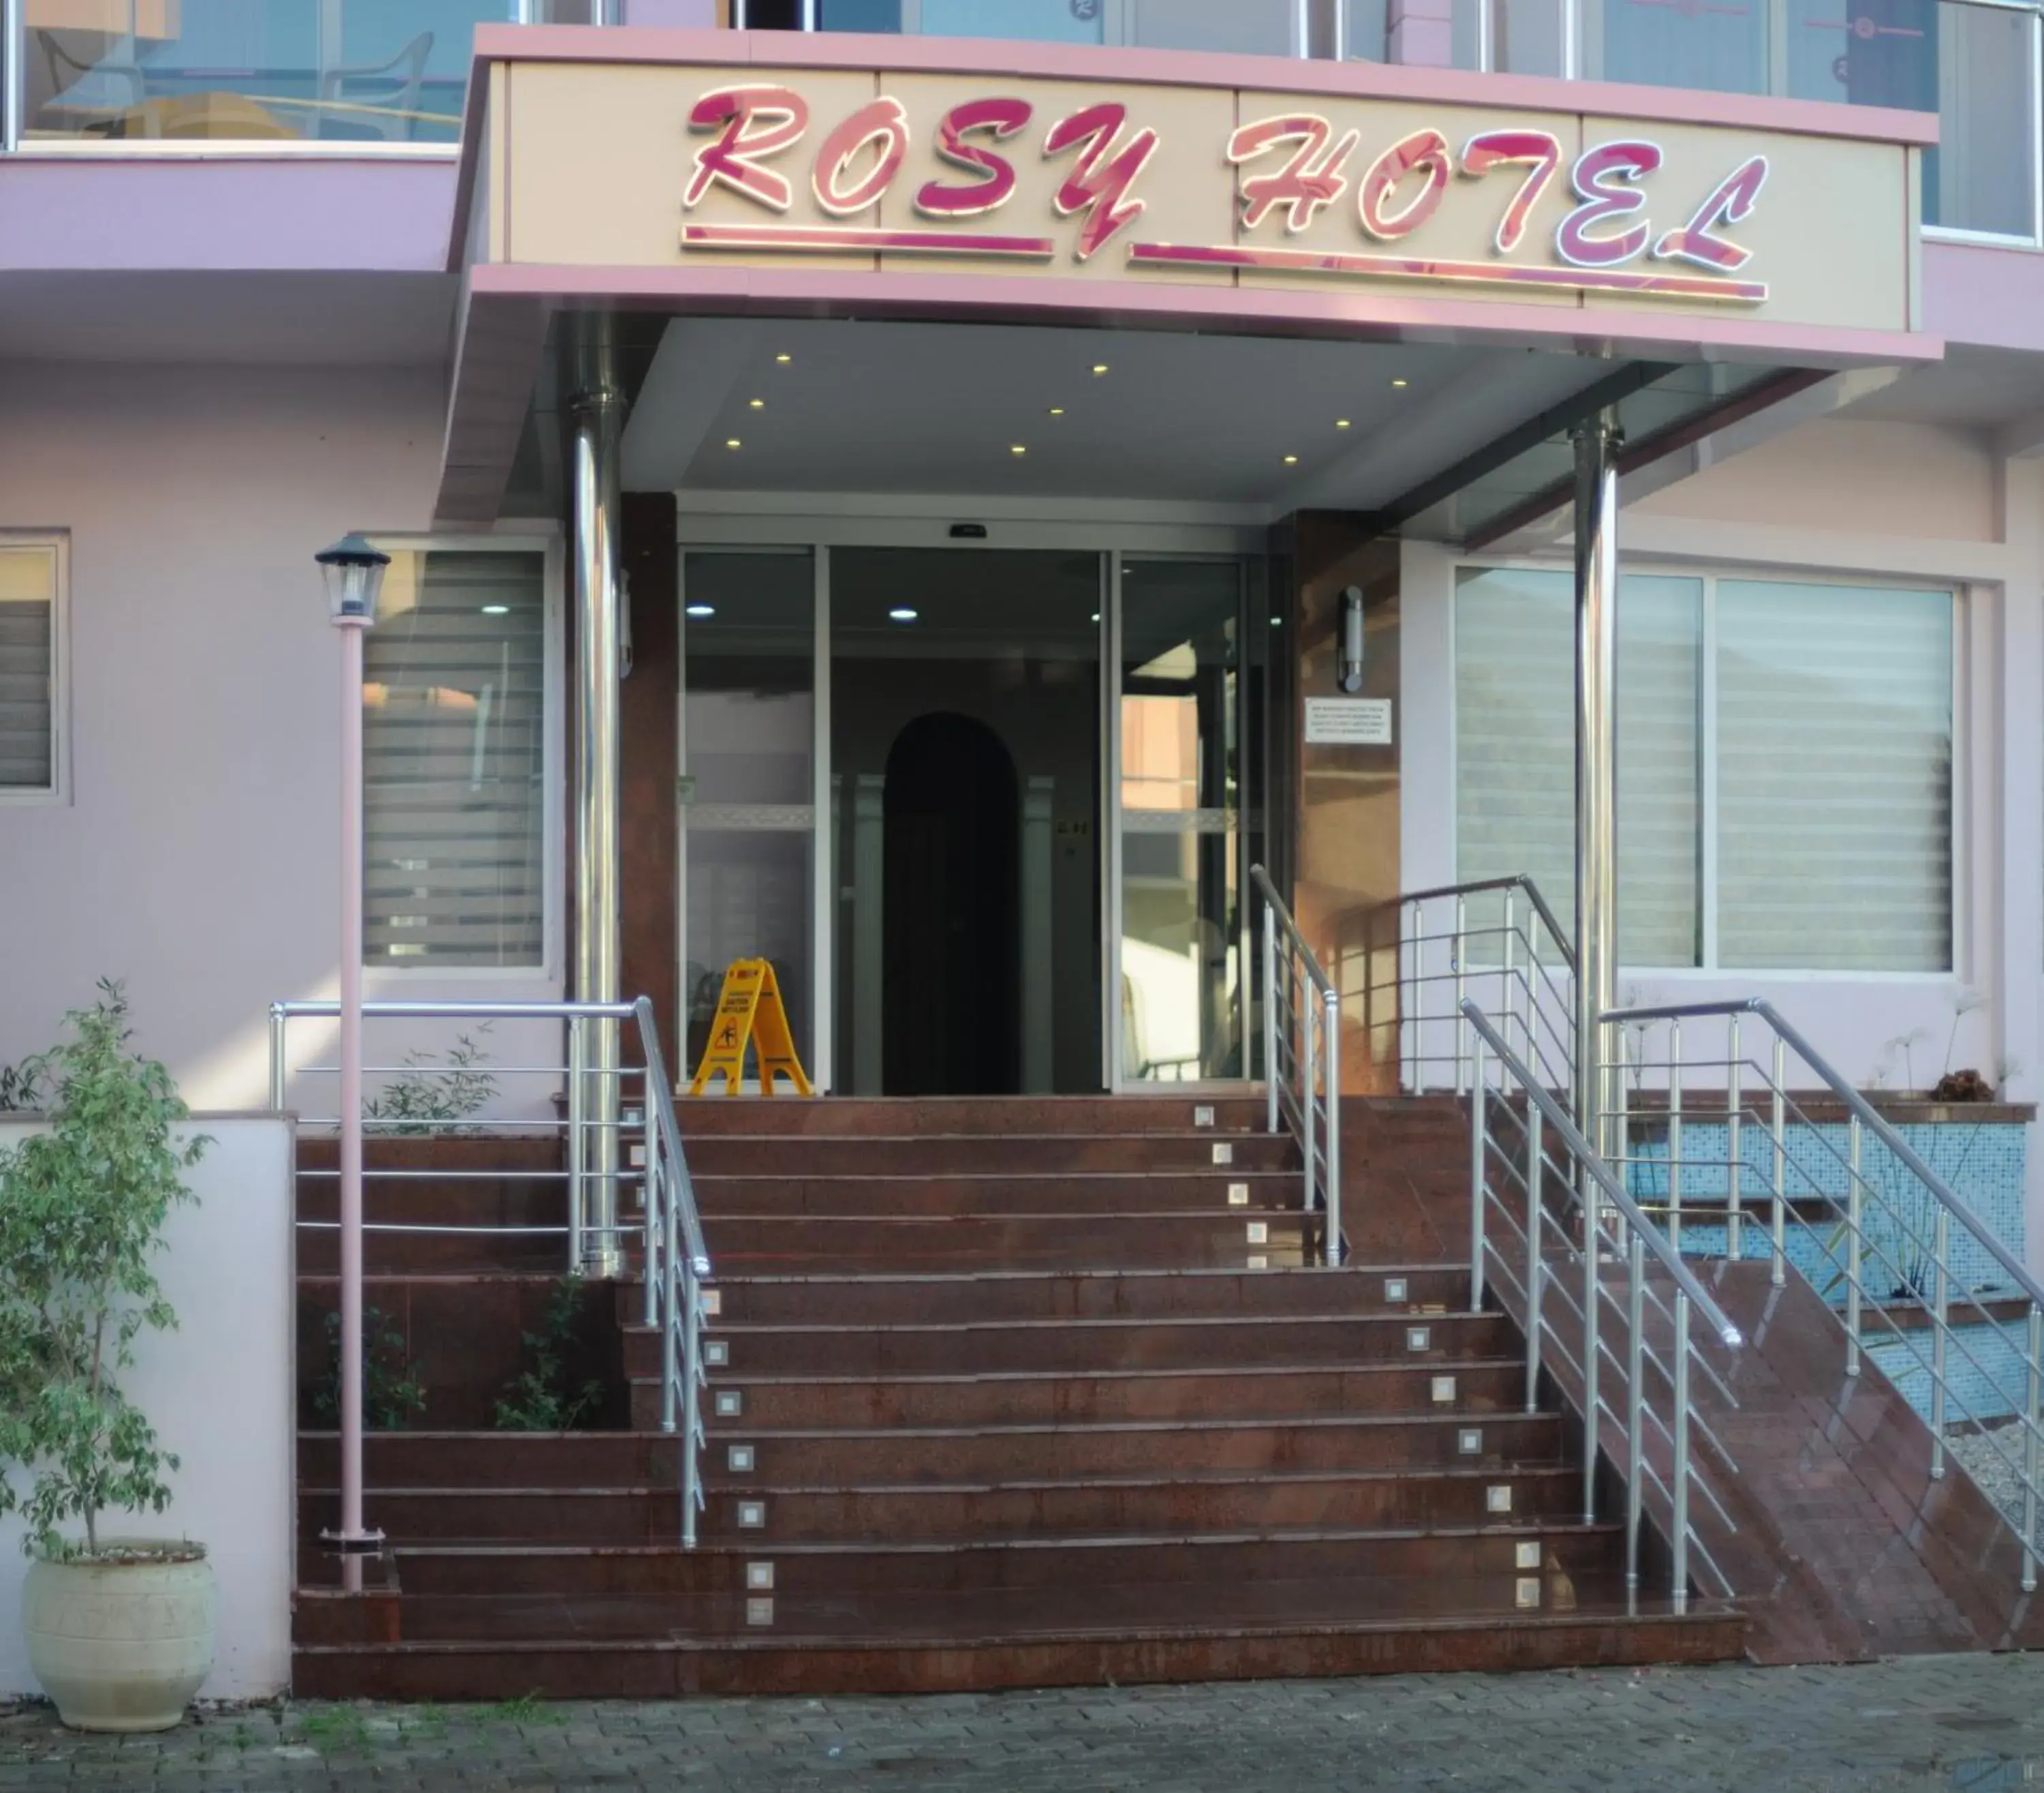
[(1091, 1116), (1083, 1346), (1275, 1391), (1106, 1192), (969, 1154), (821, 1299)]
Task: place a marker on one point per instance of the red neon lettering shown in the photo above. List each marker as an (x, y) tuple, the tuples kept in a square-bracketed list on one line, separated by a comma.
[(1732, 203), (1099, 185), (1425, 151), (882, 121), (781, 116), (1003, 118), (1537, 152), (1595, 172), (1310, 180)]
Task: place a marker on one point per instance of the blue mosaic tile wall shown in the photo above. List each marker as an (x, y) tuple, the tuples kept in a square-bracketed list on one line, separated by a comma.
[(1982, 1162)]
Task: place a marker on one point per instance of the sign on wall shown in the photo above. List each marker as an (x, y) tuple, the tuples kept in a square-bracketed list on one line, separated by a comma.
[(872, 171), (1348, 722)]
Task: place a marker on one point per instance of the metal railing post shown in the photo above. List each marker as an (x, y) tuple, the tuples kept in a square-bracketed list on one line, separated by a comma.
[(1270, 1017), (653, 1249), (690, 1318), (1778, 1245), (678, 1350), (577, 1122), (1735, 1192), (1308, 1076), (1679, 1485), (1941, 1317), (1331, 1070), (1852, 1245), (1479, 1125), (2032, 1416), (1459, 954), (1505, 992), (277, 1022), (1635, 1426), (1536, 1267), (1675, 1134), (1593, 1230)]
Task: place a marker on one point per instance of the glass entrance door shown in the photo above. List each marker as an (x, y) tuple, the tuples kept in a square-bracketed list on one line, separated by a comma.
[(1183, 729)]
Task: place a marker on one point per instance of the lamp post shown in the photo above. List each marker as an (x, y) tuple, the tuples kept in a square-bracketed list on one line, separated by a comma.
[(353, 571)]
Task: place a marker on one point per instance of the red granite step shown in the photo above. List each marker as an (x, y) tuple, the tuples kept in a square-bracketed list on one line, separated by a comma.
[(896, 1117), (1109, 1192), (970, 1155), (1276, 1391)]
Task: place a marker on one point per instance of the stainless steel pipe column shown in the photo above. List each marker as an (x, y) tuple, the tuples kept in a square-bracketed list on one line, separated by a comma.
[(1597, 442), (596, 418)]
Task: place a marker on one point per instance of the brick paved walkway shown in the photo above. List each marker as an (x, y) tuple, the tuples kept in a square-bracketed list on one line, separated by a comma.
[(1972, 1723)]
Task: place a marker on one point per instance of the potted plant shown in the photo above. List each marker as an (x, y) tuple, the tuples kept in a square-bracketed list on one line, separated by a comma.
[(120, 1629)]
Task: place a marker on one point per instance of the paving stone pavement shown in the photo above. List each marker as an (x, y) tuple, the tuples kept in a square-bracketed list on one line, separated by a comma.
[(1974, 1724)]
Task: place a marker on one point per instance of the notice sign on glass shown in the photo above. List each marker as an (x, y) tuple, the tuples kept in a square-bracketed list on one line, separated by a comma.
[(1348, 722)]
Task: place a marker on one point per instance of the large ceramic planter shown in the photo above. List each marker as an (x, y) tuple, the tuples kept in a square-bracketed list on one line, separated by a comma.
[(119, 1646)]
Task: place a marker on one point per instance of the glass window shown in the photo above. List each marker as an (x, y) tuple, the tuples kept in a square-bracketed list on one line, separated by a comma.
[(348, 71), (1721, 47), (748, 730), (1060, 21), (454, 752), (1833, 743), (1515, 746), (1835, 776), (1523, 37), (29, 572)]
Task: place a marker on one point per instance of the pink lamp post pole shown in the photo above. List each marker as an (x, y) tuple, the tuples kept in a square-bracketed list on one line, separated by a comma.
[(354, 572)]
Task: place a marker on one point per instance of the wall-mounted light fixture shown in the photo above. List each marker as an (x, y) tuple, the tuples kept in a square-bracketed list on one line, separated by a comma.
[(1350, 676)]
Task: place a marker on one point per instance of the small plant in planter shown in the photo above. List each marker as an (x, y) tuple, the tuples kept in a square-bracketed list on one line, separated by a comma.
[(120, 1629)]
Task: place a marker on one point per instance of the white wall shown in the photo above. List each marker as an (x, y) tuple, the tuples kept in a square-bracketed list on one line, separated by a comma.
[(196, 855), (220, 1391), (1898, 501)]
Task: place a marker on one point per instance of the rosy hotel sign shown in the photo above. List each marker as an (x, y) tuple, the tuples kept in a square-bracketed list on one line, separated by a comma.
[(1361, 199), (1293, 166)]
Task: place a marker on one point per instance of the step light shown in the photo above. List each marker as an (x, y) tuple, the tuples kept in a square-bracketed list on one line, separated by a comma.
[(712, 1302), (1237, 1195), (1497, 1497), (730, 1403), (1259, 1232), (1444, 1390), (761, 1612), (1224, 1154), (717, 1353), (740, 1459), (752, 1514), (1468, 1440), (1526, 1555), (1418, 1338), (1259, 1261), (1529, 1591), (1394, 1289), (1203, 1114), (759, 1578)]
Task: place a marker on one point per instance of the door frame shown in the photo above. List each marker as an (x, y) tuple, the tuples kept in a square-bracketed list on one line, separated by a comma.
[(734, 522)]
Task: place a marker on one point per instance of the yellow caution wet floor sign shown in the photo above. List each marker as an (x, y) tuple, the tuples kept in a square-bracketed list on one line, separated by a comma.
[(750, 1009)]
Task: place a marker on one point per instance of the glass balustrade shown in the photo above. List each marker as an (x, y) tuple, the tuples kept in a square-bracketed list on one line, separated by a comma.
[(334, 71), (1253, 27)]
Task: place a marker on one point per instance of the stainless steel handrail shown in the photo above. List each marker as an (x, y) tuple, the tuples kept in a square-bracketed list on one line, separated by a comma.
[(1611, 1220), (1303, 1079), (1525, 960), (676, 1257), (1927, 1277)]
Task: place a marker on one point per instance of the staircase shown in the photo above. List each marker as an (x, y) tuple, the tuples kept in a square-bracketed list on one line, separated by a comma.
[(1003, 1392)]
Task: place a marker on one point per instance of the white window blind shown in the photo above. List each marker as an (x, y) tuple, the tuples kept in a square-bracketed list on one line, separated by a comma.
[(1835, 776), (1515, 747), (454, 750), (28, 665), (1832, 741)]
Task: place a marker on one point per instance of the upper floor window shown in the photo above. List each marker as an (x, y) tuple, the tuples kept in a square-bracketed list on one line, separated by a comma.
[(1255, 27), (345, 72), (1784, 764), (455, 761), (32, 576)]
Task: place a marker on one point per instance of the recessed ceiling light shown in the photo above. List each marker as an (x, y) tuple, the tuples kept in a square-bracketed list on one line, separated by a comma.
[(758, 404), (1341, 423), (1018, 449), (1402, 383), (496, 609), (784, 360), (1291, 460), (1276, 622), (734, 443), (702, 610), (1099, 368), (902, 613), (1057, 410), (1095, 615)]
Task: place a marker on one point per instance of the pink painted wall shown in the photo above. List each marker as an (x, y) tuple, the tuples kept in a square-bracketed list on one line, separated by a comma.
[(196, 855)]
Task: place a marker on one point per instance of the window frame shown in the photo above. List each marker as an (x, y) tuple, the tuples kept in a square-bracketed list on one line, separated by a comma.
[(545, 540), (58, 791), (1711, 969)]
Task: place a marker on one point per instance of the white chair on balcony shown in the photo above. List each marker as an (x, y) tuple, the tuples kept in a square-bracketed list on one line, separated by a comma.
[(375, 99)]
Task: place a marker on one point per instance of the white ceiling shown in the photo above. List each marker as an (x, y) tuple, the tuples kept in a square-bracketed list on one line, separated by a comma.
[(913, 408)]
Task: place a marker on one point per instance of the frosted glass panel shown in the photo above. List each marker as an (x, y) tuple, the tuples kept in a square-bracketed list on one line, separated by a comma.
[(1060, 22)]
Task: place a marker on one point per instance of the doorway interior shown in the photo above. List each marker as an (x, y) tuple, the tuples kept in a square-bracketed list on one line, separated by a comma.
[(978, 864)]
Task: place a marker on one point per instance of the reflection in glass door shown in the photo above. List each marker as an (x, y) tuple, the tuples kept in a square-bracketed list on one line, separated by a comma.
[(747, 791), (1182, 946)]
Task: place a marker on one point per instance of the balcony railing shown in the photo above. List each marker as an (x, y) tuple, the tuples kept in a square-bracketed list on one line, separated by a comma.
[(373, 74)]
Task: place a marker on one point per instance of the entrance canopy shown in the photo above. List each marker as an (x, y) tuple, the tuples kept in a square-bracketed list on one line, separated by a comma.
[(1518, 252)]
